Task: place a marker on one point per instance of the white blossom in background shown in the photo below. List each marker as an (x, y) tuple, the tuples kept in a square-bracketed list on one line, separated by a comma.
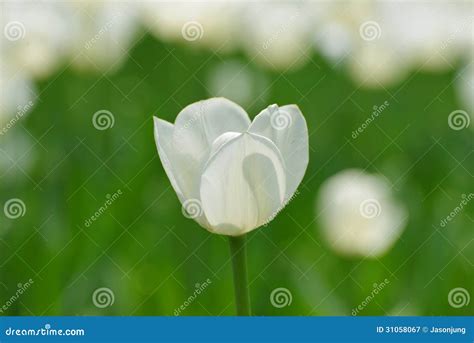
[(212, 24), (35, 35), (465, 87), (277, 35), (17, 155), (102, 33), (238, 82), (230, 174), (358, 214), (17, 94)]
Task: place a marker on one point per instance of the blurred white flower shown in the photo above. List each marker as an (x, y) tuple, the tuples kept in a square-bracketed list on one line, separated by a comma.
[(277, 35), (17, 156), (17, 95), (211, 24), (238, 82), (358, 214), (102, 33), (232, 175), (35, 35), (465, 87)]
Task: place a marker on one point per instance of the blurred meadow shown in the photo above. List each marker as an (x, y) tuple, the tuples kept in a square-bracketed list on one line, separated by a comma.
[(64, 167)]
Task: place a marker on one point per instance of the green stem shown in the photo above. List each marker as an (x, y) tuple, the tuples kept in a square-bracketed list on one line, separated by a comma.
[(239, 267)]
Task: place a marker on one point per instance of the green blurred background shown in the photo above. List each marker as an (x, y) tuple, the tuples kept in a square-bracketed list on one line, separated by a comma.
[(151, 256)]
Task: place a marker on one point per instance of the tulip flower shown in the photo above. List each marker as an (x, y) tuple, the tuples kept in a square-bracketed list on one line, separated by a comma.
[(233, 175)]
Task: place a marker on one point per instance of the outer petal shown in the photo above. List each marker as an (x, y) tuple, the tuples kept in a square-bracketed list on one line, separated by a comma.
[(176, 167), (243, 184), (286, 127)]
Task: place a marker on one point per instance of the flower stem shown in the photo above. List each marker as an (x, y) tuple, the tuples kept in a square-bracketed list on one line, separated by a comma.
[(239, 267)]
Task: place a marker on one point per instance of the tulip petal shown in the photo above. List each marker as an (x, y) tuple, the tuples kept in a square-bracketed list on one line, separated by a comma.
[(243, 184), (286, 127), (177, 167)]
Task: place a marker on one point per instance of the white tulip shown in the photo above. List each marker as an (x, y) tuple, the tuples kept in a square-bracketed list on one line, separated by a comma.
[(358, 214), (230, 174)]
